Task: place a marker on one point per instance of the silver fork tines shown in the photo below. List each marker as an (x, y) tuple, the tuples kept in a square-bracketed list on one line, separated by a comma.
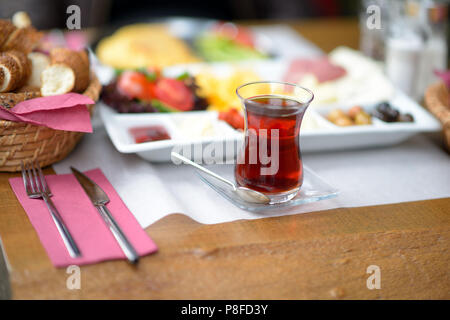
[(37, 188)]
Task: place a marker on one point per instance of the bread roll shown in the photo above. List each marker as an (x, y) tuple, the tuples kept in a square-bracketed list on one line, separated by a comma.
[(57, 79), (6, 29), (12, 75), (24, 65), (2, 76), (78, 61), (10, 99), (22, 39), (21, 19), (39, 62), (28, 89)]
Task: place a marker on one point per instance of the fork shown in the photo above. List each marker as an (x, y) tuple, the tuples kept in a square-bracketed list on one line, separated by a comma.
[(37, 188)]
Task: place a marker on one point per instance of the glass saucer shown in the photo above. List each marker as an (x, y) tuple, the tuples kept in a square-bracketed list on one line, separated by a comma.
[(313, 189)]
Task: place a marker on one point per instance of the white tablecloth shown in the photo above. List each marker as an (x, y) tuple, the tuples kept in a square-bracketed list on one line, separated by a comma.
[(414, 170)]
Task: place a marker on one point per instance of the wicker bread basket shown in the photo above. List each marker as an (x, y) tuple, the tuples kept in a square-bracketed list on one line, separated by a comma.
[(22, 141), (437, 100)]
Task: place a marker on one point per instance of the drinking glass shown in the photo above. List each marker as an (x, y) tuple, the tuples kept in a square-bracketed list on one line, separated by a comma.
[(270, 160)]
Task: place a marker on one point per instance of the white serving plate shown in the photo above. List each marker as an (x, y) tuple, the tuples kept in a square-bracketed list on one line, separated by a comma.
[(378, 134), (118, 125), (327, 137)]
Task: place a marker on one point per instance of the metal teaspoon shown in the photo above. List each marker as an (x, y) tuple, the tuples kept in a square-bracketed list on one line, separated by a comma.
[(244, 193)]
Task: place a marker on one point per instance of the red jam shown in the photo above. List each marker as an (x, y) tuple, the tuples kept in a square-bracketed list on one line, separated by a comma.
[(149, 133)]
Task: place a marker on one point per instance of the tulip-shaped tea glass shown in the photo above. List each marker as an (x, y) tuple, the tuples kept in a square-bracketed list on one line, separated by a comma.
[(270, 160)]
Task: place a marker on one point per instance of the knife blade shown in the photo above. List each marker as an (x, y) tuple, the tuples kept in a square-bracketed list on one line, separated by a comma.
[(5, 285), (99, 199)]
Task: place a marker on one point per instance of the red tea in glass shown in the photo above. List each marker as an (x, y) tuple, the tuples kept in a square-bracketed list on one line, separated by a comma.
[(270, 160)]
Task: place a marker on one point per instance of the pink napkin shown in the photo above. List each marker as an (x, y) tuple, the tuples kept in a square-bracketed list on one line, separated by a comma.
[(444, 75), (88, 229), (76, 40), (62, 112)]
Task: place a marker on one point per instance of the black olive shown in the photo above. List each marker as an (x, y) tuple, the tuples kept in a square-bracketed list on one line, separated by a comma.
[(392, 115), (387, 115), (406, 118), (383, 107)]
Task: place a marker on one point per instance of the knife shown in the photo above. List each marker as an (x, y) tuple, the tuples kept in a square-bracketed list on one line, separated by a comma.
[(99, 198), (5, 285)]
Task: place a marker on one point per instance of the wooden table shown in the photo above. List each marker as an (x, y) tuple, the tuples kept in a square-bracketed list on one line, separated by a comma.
[(321, 255)]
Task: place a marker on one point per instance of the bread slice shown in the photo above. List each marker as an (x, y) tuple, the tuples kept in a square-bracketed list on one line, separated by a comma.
[(28, 89), (10, 99), (57, 79), (6, 29), (10, 69), (39, 62), (21, 19), (23, 39), (24, 65), (78, 61), (2, 77), (84, 54)]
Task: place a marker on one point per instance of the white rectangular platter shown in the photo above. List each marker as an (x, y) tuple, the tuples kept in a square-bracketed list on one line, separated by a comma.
[(185, 129)]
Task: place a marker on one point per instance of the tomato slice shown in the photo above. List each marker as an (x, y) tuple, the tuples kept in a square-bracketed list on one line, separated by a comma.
[(233, 118), (174, 93), (244, 37), (134, 84), (150, 91)]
